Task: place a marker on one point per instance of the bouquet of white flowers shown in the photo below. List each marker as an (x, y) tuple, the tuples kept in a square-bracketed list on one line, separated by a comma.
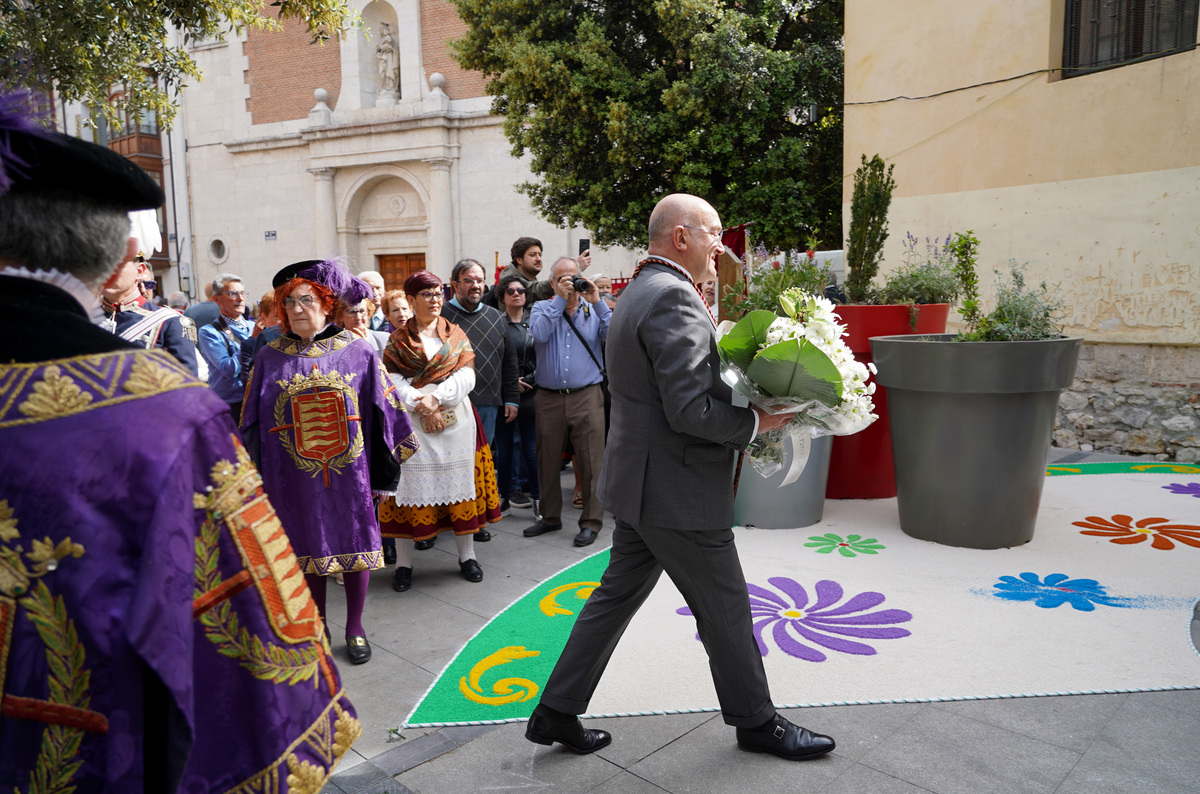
[(796, 363)]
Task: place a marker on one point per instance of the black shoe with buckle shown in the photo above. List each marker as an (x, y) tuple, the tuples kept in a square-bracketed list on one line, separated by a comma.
[(402, 579), (572, 735), (389, 555), (540, 528), (358, 649), (425, 545), (521, 500), (471, 570), (785, 739)]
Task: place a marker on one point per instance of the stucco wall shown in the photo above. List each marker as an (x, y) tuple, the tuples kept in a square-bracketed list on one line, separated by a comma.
[(1094, 181)]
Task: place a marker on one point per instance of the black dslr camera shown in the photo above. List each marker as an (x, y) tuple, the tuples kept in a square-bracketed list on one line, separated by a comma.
[(580, 284)]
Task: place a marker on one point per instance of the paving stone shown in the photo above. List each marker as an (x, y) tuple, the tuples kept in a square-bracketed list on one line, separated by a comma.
[(1072, 722)]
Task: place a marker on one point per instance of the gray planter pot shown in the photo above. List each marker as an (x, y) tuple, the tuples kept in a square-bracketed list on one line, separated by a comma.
[(761, 503), (971, 426)]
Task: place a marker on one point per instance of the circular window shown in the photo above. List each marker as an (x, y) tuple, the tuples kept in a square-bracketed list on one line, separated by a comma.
[(217, 250)]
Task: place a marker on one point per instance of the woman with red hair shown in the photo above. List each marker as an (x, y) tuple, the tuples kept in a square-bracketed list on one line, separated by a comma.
[(322, 422), (449, 485)]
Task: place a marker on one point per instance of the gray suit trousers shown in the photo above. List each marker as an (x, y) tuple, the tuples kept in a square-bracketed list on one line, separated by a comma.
[(704, 565)]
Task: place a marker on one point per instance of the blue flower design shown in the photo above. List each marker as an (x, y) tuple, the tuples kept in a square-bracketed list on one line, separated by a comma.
[(1184, 489), (1055, 590), (798, 622)]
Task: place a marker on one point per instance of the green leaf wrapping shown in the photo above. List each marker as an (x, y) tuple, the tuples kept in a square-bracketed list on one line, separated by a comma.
[(792, 369), (739, 346)]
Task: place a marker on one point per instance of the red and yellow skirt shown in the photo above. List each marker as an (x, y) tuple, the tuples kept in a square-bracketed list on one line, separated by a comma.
[(422, 522)]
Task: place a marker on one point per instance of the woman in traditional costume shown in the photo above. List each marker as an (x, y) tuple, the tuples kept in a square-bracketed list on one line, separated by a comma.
[(323, 423), (450, 485)]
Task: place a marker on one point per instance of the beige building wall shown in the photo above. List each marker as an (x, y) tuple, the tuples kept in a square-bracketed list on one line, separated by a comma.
[(1094, 181), (425, 170)]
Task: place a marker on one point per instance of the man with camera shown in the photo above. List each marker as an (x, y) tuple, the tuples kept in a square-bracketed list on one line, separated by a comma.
[(567, 331)]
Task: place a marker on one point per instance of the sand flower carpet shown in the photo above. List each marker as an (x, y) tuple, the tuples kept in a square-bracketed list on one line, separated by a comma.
[(852, 610)]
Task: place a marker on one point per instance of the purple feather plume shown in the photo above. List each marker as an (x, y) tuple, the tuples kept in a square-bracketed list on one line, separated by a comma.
[(334, 274), (16, 116)]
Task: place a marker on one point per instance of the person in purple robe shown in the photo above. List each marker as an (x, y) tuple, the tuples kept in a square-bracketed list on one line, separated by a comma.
[(156, 631), (323, 422)]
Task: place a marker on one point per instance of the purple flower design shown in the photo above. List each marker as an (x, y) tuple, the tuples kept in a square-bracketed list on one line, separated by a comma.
[(796, 625), (1184, 488)]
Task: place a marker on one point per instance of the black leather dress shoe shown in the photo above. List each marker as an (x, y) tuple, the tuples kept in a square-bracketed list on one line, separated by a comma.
[(785, 739), (402, 579), (571, 735), (358, 649), (482, 536), (389, 555), (425, 545), (586, 537), (540, 528), (471, 570)]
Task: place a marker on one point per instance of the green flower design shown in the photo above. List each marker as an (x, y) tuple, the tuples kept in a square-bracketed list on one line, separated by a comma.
[(851, 546)]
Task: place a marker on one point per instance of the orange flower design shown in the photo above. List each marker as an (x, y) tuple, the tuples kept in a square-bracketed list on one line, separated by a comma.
[(1122, 529)]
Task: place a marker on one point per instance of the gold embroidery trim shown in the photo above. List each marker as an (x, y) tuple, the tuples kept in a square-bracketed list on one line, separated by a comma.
[(44, 391)]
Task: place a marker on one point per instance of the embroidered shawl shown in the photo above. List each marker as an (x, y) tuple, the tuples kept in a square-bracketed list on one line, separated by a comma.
[(406, 354)]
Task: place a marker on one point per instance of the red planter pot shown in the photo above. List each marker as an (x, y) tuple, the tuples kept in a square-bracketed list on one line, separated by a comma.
[(861, 465)]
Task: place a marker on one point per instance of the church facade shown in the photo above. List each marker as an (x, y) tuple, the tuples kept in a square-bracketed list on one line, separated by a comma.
[(378, 148)]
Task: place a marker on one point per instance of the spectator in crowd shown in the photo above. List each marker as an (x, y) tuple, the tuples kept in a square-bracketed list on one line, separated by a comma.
[(221, 341), (345, 437), (355, 318), (206, 311), (450, 484), (177, 301), (129, 316), (709, 290), (495, 389), (569, 406), (602, 282), (378, 320), (395, 307), (518, 440), (526, 255), (132, 603), (266, 330)]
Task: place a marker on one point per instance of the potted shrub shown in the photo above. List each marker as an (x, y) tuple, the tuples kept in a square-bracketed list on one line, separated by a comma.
[(761, 501), (972, 413), (914, 299)]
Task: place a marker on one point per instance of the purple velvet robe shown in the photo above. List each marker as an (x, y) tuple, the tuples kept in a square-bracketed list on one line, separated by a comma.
[(155, 626), (327, 431)]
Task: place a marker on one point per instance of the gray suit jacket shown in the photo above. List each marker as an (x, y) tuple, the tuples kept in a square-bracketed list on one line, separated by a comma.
[(674, 435)]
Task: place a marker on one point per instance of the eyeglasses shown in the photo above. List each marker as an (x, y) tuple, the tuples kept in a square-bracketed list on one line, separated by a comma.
[(290, 303), (472, 282), (356, 311), (716, 234), (431, 295), (515, 291), (149, 284), (235, 293)]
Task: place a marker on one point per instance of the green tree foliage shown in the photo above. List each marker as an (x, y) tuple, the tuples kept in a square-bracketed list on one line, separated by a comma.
[(83, 48), (618, 102)]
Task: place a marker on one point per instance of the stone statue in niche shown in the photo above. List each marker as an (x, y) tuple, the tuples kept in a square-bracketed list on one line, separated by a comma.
[(389, 63)]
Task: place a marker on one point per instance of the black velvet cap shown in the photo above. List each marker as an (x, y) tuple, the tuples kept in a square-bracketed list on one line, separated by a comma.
[(292, 271), (53, 163)]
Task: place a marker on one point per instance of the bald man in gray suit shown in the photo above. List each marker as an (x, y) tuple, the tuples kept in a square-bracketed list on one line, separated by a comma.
[(668, 479)]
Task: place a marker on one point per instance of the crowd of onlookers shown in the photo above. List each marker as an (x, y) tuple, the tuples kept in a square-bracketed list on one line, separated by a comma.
[(534, 383)]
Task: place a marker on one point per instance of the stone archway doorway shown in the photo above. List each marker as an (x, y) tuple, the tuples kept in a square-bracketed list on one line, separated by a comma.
[(395, 268)]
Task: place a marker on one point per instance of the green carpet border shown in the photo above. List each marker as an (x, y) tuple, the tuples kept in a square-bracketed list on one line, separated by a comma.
[(1052, 470), (467, 644)]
